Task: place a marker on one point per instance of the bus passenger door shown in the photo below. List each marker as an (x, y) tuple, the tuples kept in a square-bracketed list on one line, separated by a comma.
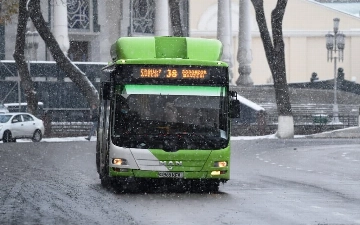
[(103, 140)]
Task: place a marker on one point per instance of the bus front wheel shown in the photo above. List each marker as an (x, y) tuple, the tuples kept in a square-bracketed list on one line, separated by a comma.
[(105, 181), (205, 186), (213, 186)]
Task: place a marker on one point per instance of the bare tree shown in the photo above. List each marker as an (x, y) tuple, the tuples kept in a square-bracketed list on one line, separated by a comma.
[(25, 79), (274, 51), (71, 70), (8, 8)]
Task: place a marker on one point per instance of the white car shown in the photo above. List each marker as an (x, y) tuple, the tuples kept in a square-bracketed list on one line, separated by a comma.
[(20, 125)]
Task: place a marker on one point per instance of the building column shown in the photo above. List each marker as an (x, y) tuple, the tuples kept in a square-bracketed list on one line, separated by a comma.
[(125, 24), (224, 33), (31, 40), (162, 18), (60, 30), (244, 54)]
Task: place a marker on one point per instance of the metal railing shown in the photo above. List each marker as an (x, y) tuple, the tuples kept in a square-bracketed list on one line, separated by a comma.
[(304, 124), (319, 119)]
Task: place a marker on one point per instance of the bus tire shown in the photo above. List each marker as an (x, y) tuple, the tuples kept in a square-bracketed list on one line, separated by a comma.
[(205, 186), (213, 186), (105, 181), (97, 157), (104, 173)]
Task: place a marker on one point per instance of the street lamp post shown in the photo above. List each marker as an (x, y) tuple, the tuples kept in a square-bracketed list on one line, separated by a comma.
[(335, 43)]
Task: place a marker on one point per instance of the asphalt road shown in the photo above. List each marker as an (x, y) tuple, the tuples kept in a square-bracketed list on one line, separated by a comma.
[(298, 181)]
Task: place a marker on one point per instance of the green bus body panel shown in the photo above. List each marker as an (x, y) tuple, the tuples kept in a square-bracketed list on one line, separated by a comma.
[(191, 160), (192, 155), (171, 90), (206, 50), (133, 48), (171, 47), (195, 164), (181, 62), (166, 48)]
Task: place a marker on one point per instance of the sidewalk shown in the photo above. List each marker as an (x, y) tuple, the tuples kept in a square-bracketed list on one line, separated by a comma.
[(352, 132)]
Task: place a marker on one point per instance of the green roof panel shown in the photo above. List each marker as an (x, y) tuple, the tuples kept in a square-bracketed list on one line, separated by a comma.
[(150, 48)]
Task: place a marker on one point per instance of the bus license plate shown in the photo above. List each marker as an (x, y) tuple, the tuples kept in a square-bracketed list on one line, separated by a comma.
[(171, 175)]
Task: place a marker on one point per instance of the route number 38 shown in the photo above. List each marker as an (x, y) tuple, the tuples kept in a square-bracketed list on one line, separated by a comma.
[(171, 74)]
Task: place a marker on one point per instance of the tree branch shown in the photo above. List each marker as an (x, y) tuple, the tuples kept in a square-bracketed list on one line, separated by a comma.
[(264, 31), (71, 70), (175, 18), (277, 16), (258, 4), (275, 52), (25, 79), (280, 82)]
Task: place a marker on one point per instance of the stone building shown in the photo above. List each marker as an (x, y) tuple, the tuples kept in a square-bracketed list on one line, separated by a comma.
[(94, 25)]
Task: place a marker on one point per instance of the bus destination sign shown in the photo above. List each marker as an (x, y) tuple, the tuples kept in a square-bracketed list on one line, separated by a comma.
[(171, 73)]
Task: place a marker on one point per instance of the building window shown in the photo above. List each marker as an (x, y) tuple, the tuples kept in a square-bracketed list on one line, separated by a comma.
[(143, 16), (78, 14)]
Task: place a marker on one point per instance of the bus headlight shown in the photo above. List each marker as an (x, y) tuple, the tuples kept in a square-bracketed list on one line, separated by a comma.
[(217, 173), (220, 164), (119, 161)]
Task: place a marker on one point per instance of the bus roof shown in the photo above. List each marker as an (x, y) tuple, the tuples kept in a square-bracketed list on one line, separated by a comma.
[(166, 50)]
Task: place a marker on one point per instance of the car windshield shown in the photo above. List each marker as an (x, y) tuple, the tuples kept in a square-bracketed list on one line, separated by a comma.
[(168, 119), (4, 118)]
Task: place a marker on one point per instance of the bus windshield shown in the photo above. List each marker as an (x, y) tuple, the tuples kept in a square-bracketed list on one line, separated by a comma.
[(170, 117)]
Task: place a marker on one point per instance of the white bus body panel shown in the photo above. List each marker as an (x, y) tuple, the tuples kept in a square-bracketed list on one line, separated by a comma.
[(141, 159)]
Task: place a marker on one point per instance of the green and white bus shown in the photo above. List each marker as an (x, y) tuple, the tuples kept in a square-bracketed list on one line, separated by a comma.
[(165, 109)]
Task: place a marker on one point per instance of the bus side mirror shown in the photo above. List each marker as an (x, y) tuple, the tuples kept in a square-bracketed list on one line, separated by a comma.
[(234, 111)]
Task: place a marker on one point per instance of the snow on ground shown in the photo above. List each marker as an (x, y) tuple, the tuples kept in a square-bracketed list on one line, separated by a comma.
[(71, 139), (271, 136), (62, 139), (66, 139)]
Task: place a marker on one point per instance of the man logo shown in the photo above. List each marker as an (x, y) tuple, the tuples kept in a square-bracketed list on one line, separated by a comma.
[(170, 163)]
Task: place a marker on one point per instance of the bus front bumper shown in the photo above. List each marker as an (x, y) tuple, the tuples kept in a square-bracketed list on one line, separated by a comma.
[(130, 173)]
